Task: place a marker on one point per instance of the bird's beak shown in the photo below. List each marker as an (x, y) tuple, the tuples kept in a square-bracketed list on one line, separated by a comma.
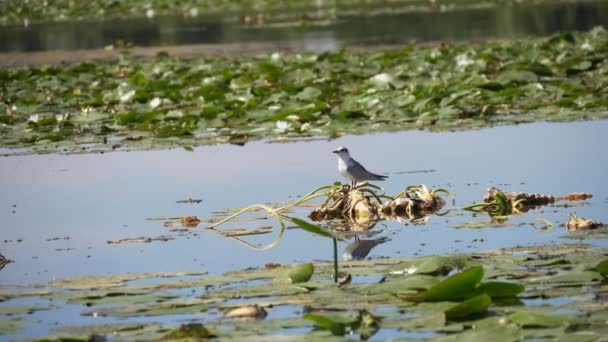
[(336, 151)]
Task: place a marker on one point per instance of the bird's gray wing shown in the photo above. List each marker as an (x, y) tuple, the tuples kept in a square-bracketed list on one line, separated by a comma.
[(358, 171)]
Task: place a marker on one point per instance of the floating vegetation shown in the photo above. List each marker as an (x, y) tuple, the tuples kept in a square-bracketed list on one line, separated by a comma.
[(363, 203), (141, 239), (268, 13), (499, 203), (438, 294), (189, 331), (169, 102), (414, 203), (247, 312), (576, 223)]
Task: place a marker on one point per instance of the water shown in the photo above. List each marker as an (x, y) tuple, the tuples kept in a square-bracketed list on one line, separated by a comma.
[(388, 27), (91, 199)]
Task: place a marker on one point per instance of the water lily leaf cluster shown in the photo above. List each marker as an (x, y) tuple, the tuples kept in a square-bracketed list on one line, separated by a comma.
[(167, 101), (15, 11), (552, 291)]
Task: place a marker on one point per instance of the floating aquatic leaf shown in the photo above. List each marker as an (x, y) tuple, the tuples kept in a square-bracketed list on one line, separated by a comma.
[(402, 284), (12, 325), (602, 267), (190, 330), (458, 286), (301, 273), (472, 306), (497, 289), (529, 319), (323, 322)]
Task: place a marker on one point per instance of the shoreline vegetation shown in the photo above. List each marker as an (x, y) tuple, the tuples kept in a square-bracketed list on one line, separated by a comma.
[(165, 102), (16, 12)]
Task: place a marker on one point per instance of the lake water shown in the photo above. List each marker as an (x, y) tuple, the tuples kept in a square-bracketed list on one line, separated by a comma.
[(388, 26), (59, 211)]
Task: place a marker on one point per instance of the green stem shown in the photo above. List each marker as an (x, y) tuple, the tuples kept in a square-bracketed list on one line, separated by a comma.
[(335, 260)]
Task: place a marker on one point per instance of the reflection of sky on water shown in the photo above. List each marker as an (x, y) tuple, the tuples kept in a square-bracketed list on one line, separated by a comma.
[(96, 198)]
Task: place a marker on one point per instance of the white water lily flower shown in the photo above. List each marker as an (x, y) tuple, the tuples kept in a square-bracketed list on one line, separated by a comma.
[(293, 117), (463, 60), (62, 117), (150, 13), (86, 110), (194, 12), (274, 107), (305, 127), (381, 79), (155, 102), (283, 126), (34, 118), (14, 108), (126, 97), (275, 56), (586, 46)]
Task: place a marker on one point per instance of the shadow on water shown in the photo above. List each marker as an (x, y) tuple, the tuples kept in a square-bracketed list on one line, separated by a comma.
[(331, 33)]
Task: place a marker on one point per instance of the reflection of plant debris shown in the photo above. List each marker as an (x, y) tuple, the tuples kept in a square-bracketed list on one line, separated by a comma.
[(578, 223), (141, 239), (189, 200)]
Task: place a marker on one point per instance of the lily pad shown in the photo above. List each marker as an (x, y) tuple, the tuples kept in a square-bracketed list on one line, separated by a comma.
[(472, 306), (456, 287), (528, 319), (497, 289), (301, 273)]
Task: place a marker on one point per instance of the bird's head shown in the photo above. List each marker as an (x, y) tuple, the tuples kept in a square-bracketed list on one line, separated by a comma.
[(342, 152)]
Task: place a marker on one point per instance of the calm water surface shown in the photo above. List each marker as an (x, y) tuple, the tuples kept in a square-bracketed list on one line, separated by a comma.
[(58, 212), (86, 200), (389, 27)]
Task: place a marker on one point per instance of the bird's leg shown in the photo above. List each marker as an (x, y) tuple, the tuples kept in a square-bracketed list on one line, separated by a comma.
[(352, 185)]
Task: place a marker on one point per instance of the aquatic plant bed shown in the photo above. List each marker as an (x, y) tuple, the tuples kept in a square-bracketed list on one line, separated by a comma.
[(16, 12), (169, 102), (553, 291)]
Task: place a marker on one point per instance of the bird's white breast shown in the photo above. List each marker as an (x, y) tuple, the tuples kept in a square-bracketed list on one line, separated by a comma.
[(342, 167)]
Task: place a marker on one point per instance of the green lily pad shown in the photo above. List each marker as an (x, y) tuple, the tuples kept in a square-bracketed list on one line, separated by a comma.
[(162, 309), (191, 330), (11, 325), (458, 286), (497, 289), (602, 267), (323, 322), (528, 319), (26, 309), (401, 284), (470, 307), (301, 273), (80, 283)]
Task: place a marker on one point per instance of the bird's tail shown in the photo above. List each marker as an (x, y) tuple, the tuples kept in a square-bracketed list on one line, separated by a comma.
[(380, 177)]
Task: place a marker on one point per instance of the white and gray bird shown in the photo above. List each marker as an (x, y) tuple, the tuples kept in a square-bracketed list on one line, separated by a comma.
[(352, 170)]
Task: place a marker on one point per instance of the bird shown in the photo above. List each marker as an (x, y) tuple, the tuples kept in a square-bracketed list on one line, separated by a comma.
[(351, 169)]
